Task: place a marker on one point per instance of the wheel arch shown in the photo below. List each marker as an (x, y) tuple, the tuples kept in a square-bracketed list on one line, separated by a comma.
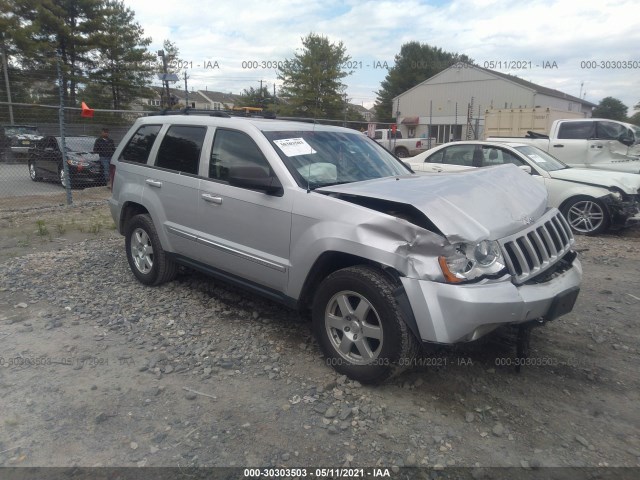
[(130, 210), (582, 196), (601, 201), (332, 261)]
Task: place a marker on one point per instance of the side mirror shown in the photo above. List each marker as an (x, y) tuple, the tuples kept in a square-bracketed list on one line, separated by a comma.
[(525, 168), (255, 178)]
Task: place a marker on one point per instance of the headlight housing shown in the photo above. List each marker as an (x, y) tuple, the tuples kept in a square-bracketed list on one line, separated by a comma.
[(472, 262), (77, 162)]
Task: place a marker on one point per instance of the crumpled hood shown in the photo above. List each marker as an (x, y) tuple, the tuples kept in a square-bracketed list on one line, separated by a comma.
[(470, 206), (627, 182)]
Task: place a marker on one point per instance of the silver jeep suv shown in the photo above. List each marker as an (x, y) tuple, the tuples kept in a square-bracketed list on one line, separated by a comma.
[(324, 219)]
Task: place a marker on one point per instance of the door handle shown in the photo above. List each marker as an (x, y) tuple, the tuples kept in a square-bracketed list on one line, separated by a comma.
[(212, 199), (559, 145), (154, 183)]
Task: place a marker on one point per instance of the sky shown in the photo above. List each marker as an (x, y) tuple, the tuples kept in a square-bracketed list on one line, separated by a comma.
[(587, 48)]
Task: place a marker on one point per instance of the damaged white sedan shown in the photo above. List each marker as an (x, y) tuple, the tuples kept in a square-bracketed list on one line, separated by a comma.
[(592, 201), (325, 220)]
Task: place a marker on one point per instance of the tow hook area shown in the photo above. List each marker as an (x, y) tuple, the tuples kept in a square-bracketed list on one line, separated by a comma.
[(522, 343)]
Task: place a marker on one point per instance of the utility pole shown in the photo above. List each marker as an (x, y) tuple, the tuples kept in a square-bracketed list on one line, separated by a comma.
[(6, 80), (165, 81), (186, 91)]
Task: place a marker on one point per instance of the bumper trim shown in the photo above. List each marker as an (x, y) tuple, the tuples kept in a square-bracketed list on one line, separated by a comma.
[(447, 313)]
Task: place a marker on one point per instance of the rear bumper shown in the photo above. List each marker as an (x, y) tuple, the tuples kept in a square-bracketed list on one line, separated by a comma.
[(447, 313)]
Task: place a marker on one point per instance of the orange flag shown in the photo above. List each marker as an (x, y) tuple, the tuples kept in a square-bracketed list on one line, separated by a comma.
[(86, 111)]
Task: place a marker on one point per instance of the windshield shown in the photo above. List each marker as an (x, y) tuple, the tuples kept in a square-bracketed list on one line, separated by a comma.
[(636, 131), (541, 158), (20, 130), (78, 144), (321, 158)]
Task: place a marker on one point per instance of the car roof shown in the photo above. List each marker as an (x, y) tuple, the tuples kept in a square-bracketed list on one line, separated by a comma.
[(262, 124)]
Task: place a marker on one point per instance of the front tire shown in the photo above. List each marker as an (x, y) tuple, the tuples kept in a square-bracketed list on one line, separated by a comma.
[(147, 259), (360, 327), (587, 216), (62, 178)]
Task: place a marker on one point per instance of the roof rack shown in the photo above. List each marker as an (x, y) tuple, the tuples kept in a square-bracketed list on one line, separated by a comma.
[(216, 113)]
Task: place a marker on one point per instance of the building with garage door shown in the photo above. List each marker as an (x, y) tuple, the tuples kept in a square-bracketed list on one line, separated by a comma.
[(451, 105)]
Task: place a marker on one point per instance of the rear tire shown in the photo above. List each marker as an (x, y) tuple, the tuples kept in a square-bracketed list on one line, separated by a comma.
[(147, 259), (360, 327), (33, 172), (402, 152)]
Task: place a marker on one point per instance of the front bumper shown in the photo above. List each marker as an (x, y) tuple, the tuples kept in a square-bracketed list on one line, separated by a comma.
[(86, 175), (626, 212), (447, 313)]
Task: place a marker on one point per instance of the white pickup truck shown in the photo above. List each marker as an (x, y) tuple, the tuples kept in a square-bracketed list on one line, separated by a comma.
[(402, 147), (589, 143)]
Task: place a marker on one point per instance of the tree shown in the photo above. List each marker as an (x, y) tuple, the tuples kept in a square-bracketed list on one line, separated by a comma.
[(124, 65), (312, 83), (415, 63), (66, 26), (635, 118), (256, 97), (611, 108)]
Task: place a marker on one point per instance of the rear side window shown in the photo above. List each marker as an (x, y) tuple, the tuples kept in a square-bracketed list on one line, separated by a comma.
[(576, 130), (435, 158), (459, 155), (180, 149), (138, 148)]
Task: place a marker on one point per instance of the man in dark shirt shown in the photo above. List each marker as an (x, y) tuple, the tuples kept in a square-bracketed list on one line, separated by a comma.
[(104, 147)]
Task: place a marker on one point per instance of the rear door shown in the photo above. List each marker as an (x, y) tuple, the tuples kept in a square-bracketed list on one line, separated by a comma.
[(575, 144), (172, 182), (243, 232)]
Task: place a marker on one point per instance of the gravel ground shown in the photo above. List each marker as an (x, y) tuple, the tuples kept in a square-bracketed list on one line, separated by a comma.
[(99, 370)]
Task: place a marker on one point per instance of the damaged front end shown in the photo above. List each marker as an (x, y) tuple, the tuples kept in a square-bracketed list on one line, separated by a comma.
[(476, 250), (624, 208)]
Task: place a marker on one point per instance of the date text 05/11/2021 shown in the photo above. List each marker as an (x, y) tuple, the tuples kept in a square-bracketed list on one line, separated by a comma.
[(317, 472)]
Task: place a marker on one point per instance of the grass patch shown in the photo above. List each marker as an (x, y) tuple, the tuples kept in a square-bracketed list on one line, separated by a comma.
[(42, 228)]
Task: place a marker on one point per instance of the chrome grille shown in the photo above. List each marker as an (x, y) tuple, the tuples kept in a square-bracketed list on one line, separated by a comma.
[(530, 252)]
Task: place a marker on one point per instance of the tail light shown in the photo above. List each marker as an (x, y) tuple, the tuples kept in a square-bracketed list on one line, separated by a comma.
[(112, 175)]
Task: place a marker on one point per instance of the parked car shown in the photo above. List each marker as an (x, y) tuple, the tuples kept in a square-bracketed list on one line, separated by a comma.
[(597, 143), (401, 147), (323, 219), (15, 140), (591, 200), (45, 161)]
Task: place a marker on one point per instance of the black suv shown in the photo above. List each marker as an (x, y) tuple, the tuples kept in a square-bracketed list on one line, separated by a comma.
[(15, 140)]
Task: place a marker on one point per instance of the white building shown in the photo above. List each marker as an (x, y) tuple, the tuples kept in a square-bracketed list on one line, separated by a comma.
[(451, 104)]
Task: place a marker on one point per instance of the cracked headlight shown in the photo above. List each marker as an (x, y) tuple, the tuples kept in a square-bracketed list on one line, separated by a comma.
[(472, 262), (616, 195)]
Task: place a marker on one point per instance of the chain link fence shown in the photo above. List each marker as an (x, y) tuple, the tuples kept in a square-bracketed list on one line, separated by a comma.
[(32, 157)]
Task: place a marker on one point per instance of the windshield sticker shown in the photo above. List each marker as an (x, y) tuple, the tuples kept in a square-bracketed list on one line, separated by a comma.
[(292, 147), (537, 158)]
